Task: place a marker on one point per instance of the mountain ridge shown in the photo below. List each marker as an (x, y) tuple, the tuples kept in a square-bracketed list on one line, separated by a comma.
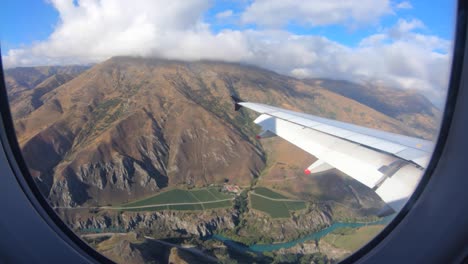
[(129, 128), (86, 126)]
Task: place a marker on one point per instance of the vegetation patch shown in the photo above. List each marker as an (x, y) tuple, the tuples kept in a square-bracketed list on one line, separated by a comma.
[(181, 200), (220, 204), (203, 195), (352, 238), (274, 204), (295, 206), (269, 193)]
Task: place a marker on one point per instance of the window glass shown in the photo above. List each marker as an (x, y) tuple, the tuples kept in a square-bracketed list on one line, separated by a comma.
[(133, 120)]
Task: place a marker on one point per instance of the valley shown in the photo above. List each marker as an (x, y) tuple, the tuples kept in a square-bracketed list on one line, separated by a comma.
[(154, 149)]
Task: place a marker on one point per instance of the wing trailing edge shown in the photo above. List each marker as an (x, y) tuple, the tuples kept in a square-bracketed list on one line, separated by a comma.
[(390, 164)]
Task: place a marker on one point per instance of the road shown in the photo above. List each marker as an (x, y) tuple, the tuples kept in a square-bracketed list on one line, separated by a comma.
[(275, 199), (137, 207), (158, 205)]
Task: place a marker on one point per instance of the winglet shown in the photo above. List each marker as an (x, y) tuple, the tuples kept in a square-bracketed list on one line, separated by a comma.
[(236, 100)]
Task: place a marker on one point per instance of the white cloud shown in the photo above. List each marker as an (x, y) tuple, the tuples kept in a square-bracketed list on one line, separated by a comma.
[(96, 30), (404, 26), (404, 5), (276, 13), (224, 14)]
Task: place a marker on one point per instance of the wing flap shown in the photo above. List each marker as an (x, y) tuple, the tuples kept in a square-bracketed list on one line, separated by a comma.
[(407, 148), (390, 164), (354, 160)]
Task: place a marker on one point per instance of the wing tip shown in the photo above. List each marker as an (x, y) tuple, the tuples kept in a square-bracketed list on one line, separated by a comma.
[(236, 100)]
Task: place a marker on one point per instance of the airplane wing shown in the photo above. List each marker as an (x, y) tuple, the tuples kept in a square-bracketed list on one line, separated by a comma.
[(390, 164)]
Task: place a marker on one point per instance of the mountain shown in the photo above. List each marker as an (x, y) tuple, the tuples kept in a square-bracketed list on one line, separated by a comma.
[(27, 78), (129, 128), (26, 85), (407, 106)]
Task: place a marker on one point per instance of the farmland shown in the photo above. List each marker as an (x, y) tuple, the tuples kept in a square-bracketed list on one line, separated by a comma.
[(273, 203), (269, 193), (352, 238), (182, 200)]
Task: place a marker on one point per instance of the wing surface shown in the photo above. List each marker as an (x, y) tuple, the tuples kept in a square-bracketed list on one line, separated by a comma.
[(390, 164)]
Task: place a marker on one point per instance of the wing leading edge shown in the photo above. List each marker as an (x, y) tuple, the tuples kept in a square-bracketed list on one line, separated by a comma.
[(391, 164)]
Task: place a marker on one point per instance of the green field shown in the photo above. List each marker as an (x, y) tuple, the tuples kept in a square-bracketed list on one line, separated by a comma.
[(275, 208), (352, 238), (218, 194), (217, 205), (204, 195), (182, 200), (155, 208), (295, 206), (269, 193)]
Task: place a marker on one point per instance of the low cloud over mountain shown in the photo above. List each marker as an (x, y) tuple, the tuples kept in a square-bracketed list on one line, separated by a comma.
[(289, 37)]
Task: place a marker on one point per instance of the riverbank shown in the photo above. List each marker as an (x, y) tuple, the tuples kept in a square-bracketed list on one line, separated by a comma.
[(258, 248)]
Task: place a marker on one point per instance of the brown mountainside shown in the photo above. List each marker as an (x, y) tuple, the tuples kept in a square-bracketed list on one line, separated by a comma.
[(408, 106), (26, 78), (129, 127)]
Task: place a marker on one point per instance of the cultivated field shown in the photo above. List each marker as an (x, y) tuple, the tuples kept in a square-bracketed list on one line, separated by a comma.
[(182, 200), (352, 238), (274, 204), (269, 193)]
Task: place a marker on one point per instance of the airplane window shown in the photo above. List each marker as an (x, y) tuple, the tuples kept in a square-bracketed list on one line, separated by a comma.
[(233, 132)]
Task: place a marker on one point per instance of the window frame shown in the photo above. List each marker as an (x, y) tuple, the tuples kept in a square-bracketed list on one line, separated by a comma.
[(47, 213)]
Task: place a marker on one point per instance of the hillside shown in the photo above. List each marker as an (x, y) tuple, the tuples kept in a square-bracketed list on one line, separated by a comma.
[(407, 106), (27, 78), (129, 126), (132, 128)]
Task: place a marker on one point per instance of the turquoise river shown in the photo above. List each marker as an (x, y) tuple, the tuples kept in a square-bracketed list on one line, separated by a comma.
[(313, 236)]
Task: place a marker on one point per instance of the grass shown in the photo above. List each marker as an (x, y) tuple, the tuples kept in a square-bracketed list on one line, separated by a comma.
[(177, 199), (295, 206), (220, 195), (269, 193), (203, 195), (353, 238), (186, 207), (155, 208), (273, 208), (276, 209), (217, 205), (169, 197)]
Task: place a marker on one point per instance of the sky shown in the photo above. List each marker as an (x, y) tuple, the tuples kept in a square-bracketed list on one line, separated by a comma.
[(401, 44)]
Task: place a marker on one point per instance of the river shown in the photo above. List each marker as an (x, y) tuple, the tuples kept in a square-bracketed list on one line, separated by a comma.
[(309, 237)]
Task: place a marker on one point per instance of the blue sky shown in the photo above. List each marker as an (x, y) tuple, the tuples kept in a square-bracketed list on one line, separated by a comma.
[(23, 22), (441, 24), (406, 44), (26, 21)]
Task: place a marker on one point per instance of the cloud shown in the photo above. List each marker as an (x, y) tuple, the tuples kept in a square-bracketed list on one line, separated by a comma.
[(404, 5), (92, 31), (95, 30), (224, 14), (404, 26), (277, 13)]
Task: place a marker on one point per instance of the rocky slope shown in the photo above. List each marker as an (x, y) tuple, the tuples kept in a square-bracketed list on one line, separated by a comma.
[(164, 224), (130, 126), (27, 78), (203, 224), (408, 106), (132, 248)]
